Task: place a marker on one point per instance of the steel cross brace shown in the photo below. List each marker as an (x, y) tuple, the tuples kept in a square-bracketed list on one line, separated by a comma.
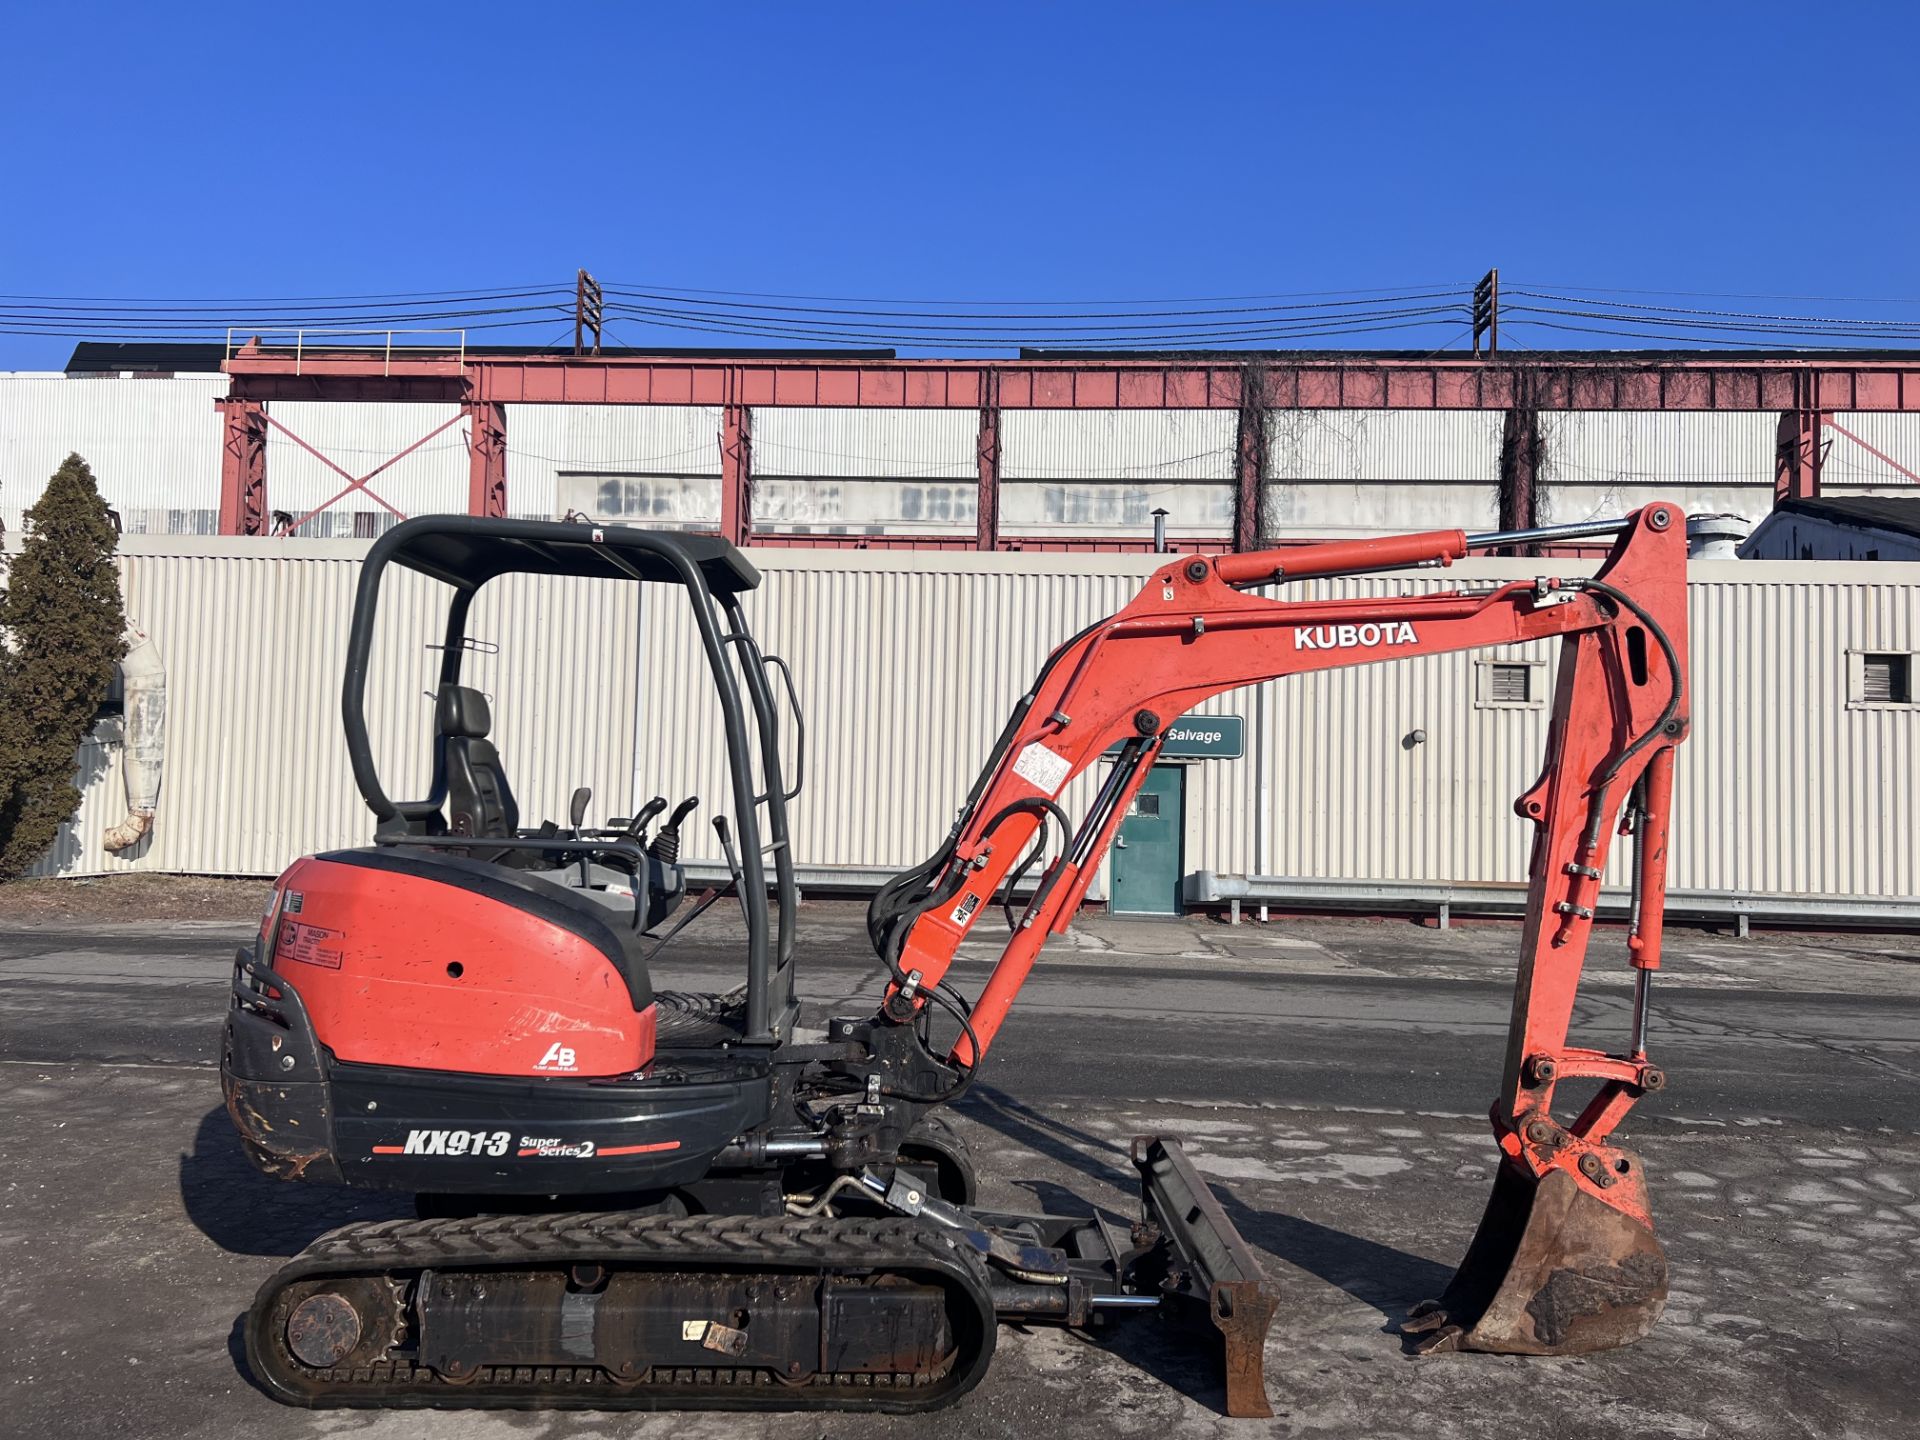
[(359, 482)]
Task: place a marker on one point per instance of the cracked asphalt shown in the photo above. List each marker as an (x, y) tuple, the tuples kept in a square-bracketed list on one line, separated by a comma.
[(1331, 1076)]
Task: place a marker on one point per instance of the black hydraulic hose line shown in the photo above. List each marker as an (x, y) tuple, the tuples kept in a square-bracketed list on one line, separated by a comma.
[(895, 936), (1031, 802), (932, 899), (950, 1001), (1019, 873), (1659, 727), (886, 906)]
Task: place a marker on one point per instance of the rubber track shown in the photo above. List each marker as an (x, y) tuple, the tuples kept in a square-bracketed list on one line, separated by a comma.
[(729, 1243)]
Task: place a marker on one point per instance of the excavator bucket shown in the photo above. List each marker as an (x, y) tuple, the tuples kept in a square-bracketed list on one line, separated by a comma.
[(1206, 1262), (1551, 1271)]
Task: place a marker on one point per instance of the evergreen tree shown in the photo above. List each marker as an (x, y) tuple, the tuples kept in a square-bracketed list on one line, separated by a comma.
[(60, 637)]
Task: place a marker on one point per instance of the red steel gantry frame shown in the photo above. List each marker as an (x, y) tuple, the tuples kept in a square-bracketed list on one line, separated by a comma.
[(1804, 391)]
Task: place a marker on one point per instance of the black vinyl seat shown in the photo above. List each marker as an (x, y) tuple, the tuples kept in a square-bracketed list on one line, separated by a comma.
[(479, 801)]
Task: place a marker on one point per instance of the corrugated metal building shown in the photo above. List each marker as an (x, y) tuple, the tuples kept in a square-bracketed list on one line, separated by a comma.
[(155, 443), (1798, 781), (839, 472), (1106, 471), (1345, 472)]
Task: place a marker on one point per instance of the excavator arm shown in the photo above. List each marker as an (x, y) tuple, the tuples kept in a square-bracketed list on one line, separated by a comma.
[(1565, 1260)]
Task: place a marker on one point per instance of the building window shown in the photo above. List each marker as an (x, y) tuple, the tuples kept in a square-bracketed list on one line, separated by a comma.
[(1509, 684), (1881, 677)]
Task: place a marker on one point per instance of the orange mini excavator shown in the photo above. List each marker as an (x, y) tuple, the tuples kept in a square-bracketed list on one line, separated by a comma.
[(641, 1198)]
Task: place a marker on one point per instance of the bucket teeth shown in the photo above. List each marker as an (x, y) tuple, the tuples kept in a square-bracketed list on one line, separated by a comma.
[(1552, 1270)]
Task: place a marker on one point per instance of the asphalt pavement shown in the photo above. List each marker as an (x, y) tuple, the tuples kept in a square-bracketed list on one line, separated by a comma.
[(1331, 1076)]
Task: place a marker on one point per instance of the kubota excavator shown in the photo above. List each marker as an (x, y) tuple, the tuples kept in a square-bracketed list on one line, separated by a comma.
[(649, 1199)]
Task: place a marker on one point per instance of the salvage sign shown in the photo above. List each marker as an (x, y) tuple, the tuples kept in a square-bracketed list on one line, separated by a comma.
[(1204, 737)]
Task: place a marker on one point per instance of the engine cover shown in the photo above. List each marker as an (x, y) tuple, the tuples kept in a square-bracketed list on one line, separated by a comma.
[(435, 962)]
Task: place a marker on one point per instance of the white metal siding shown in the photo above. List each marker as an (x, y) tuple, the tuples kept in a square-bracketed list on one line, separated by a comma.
[(1373, 472), (907, 672), (1781, 789), (1375, 445), (866, 444), (1147, 446), (1849, 468), (545, 440), (253, 634), (1333, 472), (1332, 509), (358, 438), (908, 664), (1029, 507), (154, 445), (1603, 462), (842, 471)]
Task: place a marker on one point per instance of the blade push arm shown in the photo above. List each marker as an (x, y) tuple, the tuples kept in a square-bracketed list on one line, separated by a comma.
[(1191, 633)]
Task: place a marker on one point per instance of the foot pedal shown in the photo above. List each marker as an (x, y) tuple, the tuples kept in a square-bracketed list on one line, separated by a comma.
[(1206, 1261)]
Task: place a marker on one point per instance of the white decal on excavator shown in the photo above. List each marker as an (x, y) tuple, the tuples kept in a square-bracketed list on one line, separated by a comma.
[(1042, 768), (1347, 637)]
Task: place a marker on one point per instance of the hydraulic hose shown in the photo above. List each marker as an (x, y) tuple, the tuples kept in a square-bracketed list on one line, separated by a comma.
[(896, 924), (1659, 727), (951, 1002)]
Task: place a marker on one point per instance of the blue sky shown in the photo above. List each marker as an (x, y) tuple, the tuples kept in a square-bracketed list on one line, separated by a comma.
[(973, 152)]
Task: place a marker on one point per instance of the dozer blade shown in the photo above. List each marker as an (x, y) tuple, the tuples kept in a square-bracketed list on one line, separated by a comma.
[(1207, 1262), (1551, 1271)]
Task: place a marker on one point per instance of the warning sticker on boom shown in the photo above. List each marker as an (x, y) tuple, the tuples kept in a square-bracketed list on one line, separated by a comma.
[(1042, 768)]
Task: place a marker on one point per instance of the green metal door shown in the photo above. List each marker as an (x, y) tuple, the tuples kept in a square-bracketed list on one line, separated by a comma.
[(1147, 852)]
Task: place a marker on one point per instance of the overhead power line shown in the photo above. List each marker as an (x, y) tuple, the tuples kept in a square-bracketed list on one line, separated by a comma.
[(1417, 314)]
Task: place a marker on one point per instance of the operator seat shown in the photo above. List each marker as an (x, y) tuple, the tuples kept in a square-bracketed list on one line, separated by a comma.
[(479, 801)]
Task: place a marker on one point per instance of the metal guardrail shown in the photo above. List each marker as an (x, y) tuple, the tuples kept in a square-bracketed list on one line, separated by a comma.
[(343, 339), (1444, 899)]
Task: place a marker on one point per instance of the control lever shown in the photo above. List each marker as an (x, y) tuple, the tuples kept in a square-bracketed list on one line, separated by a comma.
[(701, 905), (666, 845), (636, 828), (577, 817)]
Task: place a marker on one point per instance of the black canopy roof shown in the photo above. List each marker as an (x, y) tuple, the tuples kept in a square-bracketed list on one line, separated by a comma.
[(465, 551), (1898, 513)]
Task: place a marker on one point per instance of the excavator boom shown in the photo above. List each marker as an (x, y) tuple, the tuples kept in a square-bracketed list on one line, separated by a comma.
[(1565, 1260)]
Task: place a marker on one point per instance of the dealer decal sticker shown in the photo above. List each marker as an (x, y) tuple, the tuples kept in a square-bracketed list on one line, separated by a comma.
[(310, 944)]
